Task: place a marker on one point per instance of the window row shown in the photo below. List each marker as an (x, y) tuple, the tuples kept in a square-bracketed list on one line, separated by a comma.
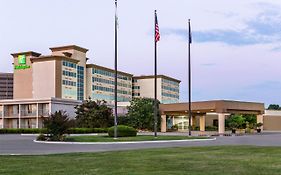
[(94, 79), (170, 82), (136, 94), (110, 74), (170, 89), (170, 95), (108, 97), (70, 74), (69, 64), (106, 89), (68, 83)]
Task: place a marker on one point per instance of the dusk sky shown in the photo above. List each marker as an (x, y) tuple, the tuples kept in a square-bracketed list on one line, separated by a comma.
[(236, 49)]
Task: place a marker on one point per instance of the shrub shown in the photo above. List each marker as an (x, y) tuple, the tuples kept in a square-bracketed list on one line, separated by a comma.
[(122, 131), (41, 137), (57, 125), (211, 128), (86, 130)]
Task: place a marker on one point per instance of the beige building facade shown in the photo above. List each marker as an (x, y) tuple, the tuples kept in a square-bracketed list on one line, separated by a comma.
[(65, 76), (29, 113), (167, 88)]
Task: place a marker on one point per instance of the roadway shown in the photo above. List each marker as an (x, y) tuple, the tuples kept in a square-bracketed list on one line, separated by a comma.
[(12, 144)]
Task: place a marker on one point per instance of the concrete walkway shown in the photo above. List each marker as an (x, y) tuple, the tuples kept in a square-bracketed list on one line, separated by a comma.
[(24, 145)]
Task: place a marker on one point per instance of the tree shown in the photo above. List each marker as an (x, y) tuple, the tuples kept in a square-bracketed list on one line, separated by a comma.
[(274, 107), (249, 119), (235, 121), (57, 125), (91, 114), (141, 113)]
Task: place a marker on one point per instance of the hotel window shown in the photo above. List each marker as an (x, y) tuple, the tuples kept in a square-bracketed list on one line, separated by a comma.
[(80, 83)]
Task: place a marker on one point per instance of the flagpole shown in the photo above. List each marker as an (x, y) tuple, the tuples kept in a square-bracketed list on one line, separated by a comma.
[(155, 76), (189, 80), (115, 85)]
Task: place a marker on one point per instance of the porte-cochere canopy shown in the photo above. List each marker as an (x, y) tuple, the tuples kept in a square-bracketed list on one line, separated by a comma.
[(201, 109)]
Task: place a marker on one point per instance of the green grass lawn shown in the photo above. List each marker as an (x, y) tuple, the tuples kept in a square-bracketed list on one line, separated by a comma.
[(101, 138), (219, 160)]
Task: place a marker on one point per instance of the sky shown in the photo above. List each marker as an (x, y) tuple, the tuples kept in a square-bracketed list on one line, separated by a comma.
[(235, 51)]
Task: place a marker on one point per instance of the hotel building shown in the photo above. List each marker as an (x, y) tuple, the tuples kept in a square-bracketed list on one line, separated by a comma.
[(6, 86), (61, 80), (167, 88), (100, 83)]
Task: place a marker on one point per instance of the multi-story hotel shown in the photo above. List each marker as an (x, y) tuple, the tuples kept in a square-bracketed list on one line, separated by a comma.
[(61, 80), (167, 88), (6, 86), (100, 83)]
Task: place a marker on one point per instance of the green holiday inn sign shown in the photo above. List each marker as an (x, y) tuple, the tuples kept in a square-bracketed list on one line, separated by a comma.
[(22, 63)]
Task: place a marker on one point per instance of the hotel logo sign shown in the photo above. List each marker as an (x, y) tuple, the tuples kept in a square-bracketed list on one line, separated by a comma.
[(21, 63)]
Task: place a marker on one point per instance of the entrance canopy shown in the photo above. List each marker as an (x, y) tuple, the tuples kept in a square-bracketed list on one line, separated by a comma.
[(214, 106), (177, 113)]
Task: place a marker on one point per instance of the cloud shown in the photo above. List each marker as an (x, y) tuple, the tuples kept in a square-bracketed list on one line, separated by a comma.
[(265, 86), (264, 28), (208, 64)]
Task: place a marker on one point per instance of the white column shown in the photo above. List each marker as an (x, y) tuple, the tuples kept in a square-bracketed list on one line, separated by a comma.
[(193, 120), (163, 123), (19, 116), (260, 120), (50, 108), (3, 116), (202, 122), (37, 115), (221, 120)]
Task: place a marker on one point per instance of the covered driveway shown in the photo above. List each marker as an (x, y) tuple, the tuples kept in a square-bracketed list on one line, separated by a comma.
[(177, 113)]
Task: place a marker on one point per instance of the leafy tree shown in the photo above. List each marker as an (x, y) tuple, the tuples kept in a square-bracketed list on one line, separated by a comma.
[(57, 125), (274, 107), (249, 119), (141, 113), (91, 114), (235, 121)]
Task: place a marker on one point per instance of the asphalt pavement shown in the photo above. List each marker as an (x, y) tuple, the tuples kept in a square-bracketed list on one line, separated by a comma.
[(12, 144)]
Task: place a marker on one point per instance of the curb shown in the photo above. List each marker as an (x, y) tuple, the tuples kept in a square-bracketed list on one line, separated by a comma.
[(91, 134), (112, 143)]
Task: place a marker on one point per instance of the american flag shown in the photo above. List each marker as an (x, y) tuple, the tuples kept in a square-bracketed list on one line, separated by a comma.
[(157, 34)]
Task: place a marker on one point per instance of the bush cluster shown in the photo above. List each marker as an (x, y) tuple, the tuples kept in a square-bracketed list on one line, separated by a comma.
[(122, 131), (86, 130)]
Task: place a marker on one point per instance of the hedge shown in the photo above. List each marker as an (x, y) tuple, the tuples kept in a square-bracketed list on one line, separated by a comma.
[(87, 130), (44, 130), (22, 130), (122, 131)]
